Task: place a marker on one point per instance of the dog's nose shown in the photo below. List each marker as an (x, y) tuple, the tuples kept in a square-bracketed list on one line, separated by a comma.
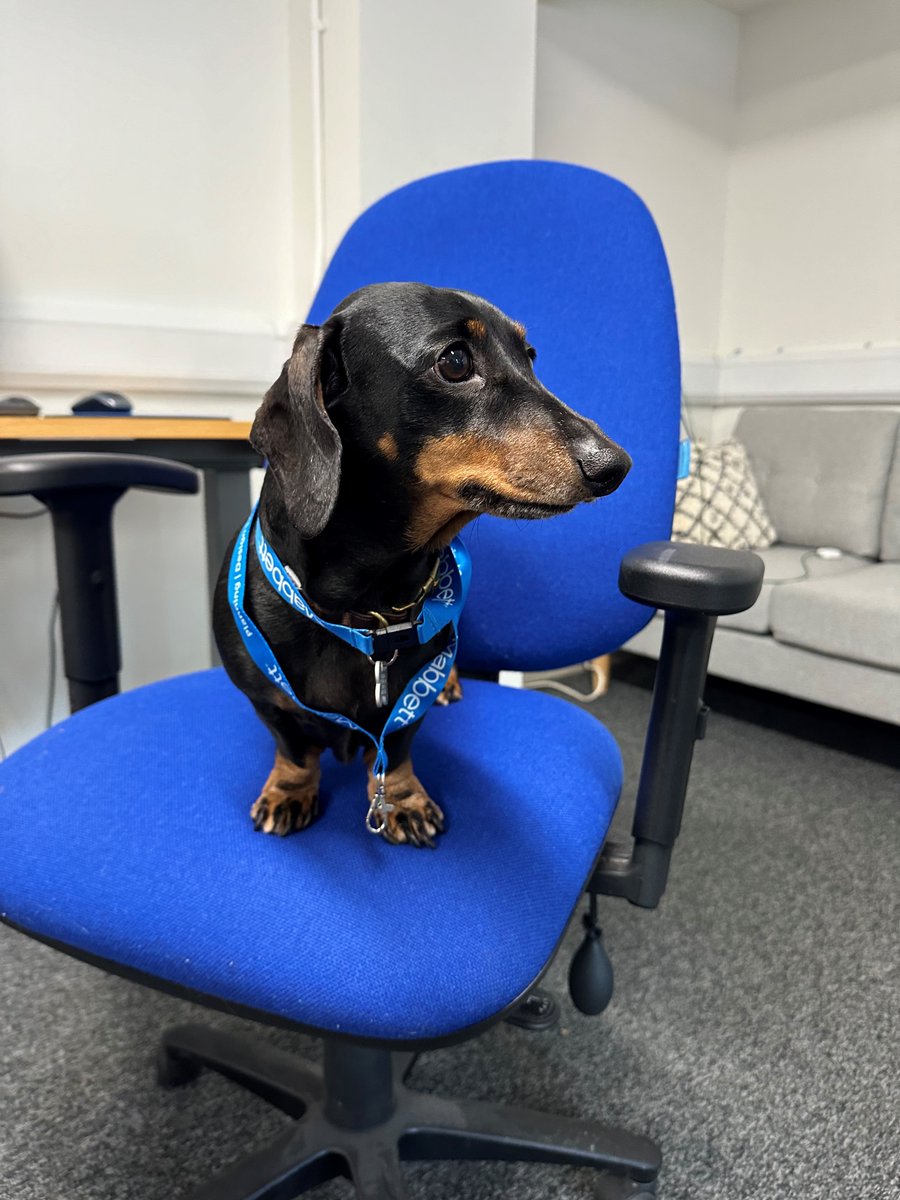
[(603, 464)]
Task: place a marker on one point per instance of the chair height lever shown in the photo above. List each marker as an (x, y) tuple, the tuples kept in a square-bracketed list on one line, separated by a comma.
[(591, 972)]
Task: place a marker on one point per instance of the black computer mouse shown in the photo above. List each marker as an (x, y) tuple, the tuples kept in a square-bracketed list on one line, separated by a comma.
[(108, 404)]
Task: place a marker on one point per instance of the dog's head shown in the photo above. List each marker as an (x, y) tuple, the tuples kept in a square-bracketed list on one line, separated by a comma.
[(428, 394)]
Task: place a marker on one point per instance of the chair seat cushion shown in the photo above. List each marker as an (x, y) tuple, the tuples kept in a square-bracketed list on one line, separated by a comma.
[(126, 836)]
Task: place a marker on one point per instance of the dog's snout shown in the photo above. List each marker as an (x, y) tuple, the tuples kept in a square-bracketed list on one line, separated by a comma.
[(603, 464)]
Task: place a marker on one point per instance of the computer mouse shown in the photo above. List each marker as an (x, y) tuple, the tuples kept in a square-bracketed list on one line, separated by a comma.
[(107, 404), (18, 406)]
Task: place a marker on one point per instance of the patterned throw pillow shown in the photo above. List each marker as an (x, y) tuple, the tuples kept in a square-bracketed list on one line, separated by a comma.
[(718, 504)]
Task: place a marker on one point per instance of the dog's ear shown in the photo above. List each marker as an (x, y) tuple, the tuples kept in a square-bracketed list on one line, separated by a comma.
[(293, 430)]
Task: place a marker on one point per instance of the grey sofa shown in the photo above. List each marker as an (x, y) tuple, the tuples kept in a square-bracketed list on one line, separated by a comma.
[(823, 629)]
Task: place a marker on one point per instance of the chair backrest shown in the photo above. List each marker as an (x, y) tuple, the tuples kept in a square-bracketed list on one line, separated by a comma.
[(576, 257)]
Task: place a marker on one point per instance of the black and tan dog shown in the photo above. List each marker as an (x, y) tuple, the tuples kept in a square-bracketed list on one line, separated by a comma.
[(410, 411)]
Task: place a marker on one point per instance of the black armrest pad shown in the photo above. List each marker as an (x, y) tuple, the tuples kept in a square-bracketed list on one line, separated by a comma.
[(702, 579), (30, 474)]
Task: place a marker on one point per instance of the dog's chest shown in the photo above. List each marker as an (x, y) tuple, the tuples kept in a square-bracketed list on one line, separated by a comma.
[(330, 676)]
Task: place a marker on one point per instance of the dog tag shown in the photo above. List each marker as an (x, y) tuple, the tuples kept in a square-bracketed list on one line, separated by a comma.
[(381, 684)]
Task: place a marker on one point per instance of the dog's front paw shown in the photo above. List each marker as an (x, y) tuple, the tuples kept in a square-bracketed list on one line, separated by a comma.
[(290, 798), (452, 690), (275, 812), (414, 820)]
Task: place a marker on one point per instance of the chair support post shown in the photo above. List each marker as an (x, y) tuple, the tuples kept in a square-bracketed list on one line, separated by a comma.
[(85, 570), (674, 726), (359, 1085), (677, 720)]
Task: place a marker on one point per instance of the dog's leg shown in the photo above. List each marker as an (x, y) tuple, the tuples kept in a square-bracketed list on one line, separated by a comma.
[(452, 690), (289, 799), (415, 819)]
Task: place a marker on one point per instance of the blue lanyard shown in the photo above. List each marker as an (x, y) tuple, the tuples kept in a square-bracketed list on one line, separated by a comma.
[(442, 608)]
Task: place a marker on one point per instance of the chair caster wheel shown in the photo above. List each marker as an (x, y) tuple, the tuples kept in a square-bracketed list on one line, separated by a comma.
[(174, 1070), (538, 1011), (621, 1187), (644, 1191)]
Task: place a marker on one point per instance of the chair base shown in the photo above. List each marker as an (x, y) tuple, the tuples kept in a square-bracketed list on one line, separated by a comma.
[(355, 1118)]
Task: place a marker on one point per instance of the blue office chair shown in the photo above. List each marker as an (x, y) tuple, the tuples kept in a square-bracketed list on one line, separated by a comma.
[(126, 836)]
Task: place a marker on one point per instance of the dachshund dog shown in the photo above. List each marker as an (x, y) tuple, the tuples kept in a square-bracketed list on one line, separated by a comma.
[(409, 412)]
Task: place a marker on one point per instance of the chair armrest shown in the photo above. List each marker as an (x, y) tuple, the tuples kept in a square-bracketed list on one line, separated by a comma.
[(695, 585), (703, 579), (81, 491), (50, 474)]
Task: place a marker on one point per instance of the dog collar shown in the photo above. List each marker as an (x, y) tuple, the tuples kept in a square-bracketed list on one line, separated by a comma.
[(441, 609)]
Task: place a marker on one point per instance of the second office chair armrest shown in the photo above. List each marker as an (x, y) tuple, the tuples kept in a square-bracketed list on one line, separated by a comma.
[(66, 474)]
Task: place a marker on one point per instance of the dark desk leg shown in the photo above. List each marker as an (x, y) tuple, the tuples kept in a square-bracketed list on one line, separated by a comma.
[(226, 498)]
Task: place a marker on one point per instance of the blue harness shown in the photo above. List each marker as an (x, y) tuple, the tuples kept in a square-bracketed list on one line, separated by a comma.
[(441, 608)]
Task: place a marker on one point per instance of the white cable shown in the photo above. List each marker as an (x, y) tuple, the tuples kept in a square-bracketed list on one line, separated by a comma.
[(585, 697)]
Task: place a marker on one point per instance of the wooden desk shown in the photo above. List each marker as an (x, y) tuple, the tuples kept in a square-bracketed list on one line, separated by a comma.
[(219, 448)]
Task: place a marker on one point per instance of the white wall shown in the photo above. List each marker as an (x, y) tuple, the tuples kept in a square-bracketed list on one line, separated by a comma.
[(147, 178), (133, 132), (341, 91), (159, 224), (644, 90), (768, 148), (813, 236), (447, 85), (410, 91)]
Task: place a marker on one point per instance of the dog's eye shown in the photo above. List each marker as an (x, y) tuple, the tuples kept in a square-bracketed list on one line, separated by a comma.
[(455, 364), (531, 352)]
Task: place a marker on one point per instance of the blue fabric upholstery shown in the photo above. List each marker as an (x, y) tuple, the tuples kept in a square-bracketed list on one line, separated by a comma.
[(576, 256), (126, 835)]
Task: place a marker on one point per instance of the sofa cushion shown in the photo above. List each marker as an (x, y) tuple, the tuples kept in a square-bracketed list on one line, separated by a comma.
[(718, 504), (787, 565), (855, 616), (890, 523), (822, 472)]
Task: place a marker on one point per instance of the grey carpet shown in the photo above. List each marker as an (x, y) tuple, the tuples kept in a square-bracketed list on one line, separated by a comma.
[(754, 1029)]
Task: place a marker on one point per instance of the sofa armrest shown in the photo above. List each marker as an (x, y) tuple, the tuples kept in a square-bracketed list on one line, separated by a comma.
[(702, 579)]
